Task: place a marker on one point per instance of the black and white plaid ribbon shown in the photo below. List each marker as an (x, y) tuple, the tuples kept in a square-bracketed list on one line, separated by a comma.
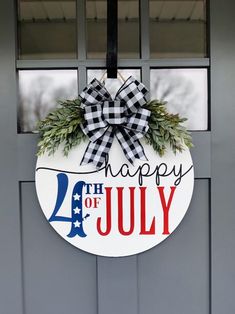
[(123, 118)]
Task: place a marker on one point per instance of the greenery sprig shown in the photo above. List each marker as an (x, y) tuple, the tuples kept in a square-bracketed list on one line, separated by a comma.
[(62, 126), (166, 129)]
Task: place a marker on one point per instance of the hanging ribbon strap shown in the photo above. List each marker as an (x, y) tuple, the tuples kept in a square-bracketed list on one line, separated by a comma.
[(123, 118)]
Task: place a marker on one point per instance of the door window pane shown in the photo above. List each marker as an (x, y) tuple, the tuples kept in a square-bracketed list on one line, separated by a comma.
[(185, 91), (47, 29), (128, 28), (177, 28), (40, 91), (112, 85), (96, 20)]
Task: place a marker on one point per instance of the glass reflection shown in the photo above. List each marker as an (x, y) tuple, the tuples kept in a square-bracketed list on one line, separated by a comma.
[(177, 28), (185, 91), (40, 91), (128, 28), (47, 29)]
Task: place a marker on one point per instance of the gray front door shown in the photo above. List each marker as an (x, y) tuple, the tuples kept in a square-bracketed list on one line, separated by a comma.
[(191, 272)]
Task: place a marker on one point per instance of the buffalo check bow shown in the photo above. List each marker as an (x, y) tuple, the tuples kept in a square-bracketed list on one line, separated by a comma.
[(105, 118)]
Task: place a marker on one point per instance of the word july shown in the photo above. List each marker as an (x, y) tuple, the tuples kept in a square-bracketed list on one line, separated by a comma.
[(83, 195)]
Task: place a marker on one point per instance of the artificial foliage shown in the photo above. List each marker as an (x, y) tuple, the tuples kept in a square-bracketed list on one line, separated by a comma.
[(62, 126), (166, 130)]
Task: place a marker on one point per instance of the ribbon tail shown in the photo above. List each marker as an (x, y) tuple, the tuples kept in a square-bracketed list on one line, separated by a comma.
[(132, 149), (97, 151)]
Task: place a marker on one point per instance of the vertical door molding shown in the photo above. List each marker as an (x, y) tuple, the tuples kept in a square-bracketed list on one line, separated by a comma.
[(10, 261), (223, 155)]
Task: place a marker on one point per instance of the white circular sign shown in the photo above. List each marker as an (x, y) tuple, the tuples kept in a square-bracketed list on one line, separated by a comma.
[(121, 209)]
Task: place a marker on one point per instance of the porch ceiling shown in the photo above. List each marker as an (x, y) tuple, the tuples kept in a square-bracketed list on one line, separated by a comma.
[(66, 9)]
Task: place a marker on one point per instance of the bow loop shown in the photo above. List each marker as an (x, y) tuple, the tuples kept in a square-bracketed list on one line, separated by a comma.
[(123, 118), (133, 93), (93, 93)]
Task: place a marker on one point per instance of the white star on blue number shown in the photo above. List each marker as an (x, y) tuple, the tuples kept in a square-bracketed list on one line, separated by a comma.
[(77, 210), (76, 224), (76, 197)]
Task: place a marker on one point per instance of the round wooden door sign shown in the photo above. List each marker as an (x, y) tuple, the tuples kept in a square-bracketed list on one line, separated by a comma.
[(121, 209)]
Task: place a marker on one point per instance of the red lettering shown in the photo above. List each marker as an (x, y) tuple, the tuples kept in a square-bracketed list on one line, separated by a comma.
[(108, 214), (88, 202), (143, 214), (120, 211), (96, 201), (166, 207)]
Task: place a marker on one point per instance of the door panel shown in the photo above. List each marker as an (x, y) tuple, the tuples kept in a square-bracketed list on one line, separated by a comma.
[(117, 285), (174, 276), (57, 276)]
